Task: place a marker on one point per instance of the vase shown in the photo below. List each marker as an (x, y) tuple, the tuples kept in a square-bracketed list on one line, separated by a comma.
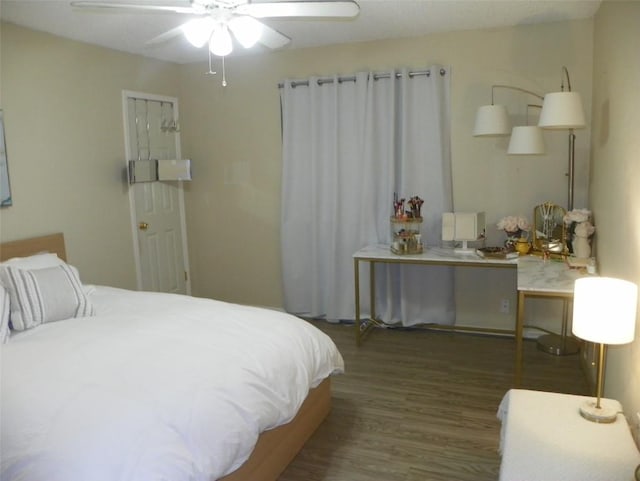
[(522, 246), (581, 247)]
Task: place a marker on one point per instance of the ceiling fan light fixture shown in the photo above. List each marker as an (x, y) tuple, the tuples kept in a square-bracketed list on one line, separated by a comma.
[(220, 43), (247, 30), (198, 31)]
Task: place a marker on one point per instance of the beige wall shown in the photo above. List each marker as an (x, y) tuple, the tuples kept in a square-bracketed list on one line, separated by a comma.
[(616, 174), (62, 102), (233, 136)]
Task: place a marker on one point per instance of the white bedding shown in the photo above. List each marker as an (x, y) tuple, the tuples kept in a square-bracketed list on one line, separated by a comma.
[(154, 387)]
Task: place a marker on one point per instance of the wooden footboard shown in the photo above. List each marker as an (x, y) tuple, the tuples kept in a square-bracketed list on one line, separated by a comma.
[(277, 448)]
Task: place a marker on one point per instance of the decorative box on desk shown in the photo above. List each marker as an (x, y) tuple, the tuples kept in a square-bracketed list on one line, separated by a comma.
[(406, 235)]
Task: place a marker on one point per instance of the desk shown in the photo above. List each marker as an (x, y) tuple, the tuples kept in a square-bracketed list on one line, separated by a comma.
[(432, 256), (536, 278), (543, 437)]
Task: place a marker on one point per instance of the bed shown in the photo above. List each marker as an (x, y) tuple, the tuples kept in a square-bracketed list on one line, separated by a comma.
[(151, 386)]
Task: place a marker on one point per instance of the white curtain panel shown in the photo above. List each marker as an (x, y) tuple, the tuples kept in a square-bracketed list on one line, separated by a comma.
[(347, 147)]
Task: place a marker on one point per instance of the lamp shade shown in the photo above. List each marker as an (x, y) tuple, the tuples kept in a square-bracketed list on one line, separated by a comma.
[(562, 110), (221, 43), (492, 120), (526, 140), (247, 30), (604, 310), (198, 31)]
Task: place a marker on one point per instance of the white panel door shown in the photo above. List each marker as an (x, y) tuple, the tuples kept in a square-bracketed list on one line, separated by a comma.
[(157, 209), (159, 237)]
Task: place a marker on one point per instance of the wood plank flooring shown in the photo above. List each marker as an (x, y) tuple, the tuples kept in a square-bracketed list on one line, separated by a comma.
[(421, 405)]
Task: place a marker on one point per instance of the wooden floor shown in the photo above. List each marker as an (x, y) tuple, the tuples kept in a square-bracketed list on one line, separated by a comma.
[(421, 405)]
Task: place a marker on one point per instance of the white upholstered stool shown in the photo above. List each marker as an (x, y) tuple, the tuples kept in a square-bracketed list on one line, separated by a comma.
[(544, 438)]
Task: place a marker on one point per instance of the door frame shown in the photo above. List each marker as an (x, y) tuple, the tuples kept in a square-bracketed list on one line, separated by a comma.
[(126, 95)]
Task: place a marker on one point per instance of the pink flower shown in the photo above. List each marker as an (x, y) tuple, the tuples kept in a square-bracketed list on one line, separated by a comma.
[(513, 223)]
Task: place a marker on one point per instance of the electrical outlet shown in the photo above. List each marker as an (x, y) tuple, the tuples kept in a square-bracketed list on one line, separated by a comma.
[(504, 306)]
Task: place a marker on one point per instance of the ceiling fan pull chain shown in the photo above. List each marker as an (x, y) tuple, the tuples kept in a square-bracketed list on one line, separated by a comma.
[(224, 74), (210, 72)]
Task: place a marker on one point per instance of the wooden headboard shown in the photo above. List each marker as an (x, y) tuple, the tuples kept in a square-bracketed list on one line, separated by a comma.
[(53, 243)]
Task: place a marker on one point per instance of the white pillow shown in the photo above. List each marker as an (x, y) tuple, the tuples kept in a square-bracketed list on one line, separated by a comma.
[(4, 315), (36, 261), (44, 295)]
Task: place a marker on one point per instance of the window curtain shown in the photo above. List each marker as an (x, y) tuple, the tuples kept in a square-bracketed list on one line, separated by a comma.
[(348, 145)]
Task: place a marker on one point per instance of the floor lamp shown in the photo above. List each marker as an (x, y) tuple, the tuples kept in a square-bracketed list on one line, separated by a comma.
[(493, 121), (604, 313), (562, 111)]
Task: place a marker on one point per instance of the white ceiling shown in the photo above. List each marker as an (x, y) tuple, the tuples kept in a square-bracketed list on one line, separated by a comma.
[(378, 19)]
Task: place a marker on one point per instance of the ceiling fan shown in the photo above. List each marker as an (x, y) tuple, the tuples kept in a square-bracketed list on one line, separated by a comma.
[(215, 20)]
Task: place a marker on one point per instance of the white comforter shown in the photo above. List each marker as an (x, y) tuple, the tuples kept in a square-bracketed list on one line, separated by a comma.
[(154, 387)]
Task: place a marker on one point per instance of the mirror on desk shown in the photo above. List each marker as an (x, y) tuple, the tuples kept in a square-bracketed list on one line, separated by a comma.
[(549, 233)]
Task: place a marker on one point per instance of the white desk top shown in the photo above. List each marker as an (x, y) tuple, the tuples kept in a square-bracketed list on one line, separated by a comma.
[(534, 274), (431, 255), (544, 438)]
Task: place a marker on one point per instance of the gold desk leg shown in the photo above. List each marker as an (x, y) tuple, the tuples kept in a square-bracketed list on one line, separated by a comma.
[(372, 289), (519, 340), (356, 275), (565, 321)]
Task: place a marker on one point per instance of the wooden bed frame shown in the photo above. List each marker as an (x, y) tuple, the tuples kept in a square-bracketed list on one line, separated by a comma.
[(277, 447), (53, 243)]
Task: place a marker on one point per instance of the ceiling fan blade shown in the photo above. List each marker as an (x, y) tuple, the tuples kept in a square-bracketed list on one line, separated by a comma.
[(163, 37), (137, 7), (272, 38), (329, 9)]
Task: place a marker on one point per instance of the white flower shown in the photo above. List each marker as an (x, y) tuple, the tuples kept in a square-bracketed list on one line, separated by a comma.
[(577, 215), (523, 224), (513, 223)]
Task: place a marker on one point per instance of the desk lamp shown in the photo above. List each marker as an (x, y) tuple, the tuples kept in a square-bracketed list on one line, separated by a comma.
[(604, 312)]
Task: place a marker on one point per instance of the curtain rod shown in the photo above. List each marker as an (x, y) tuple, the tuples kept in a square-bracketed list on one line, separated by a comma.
[(352, 78)]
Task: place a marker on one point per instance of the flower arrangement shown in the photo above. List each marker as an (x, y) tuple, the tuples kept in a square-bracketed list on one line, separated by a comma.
[(513, 224), (577, 216), (580, 230)]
